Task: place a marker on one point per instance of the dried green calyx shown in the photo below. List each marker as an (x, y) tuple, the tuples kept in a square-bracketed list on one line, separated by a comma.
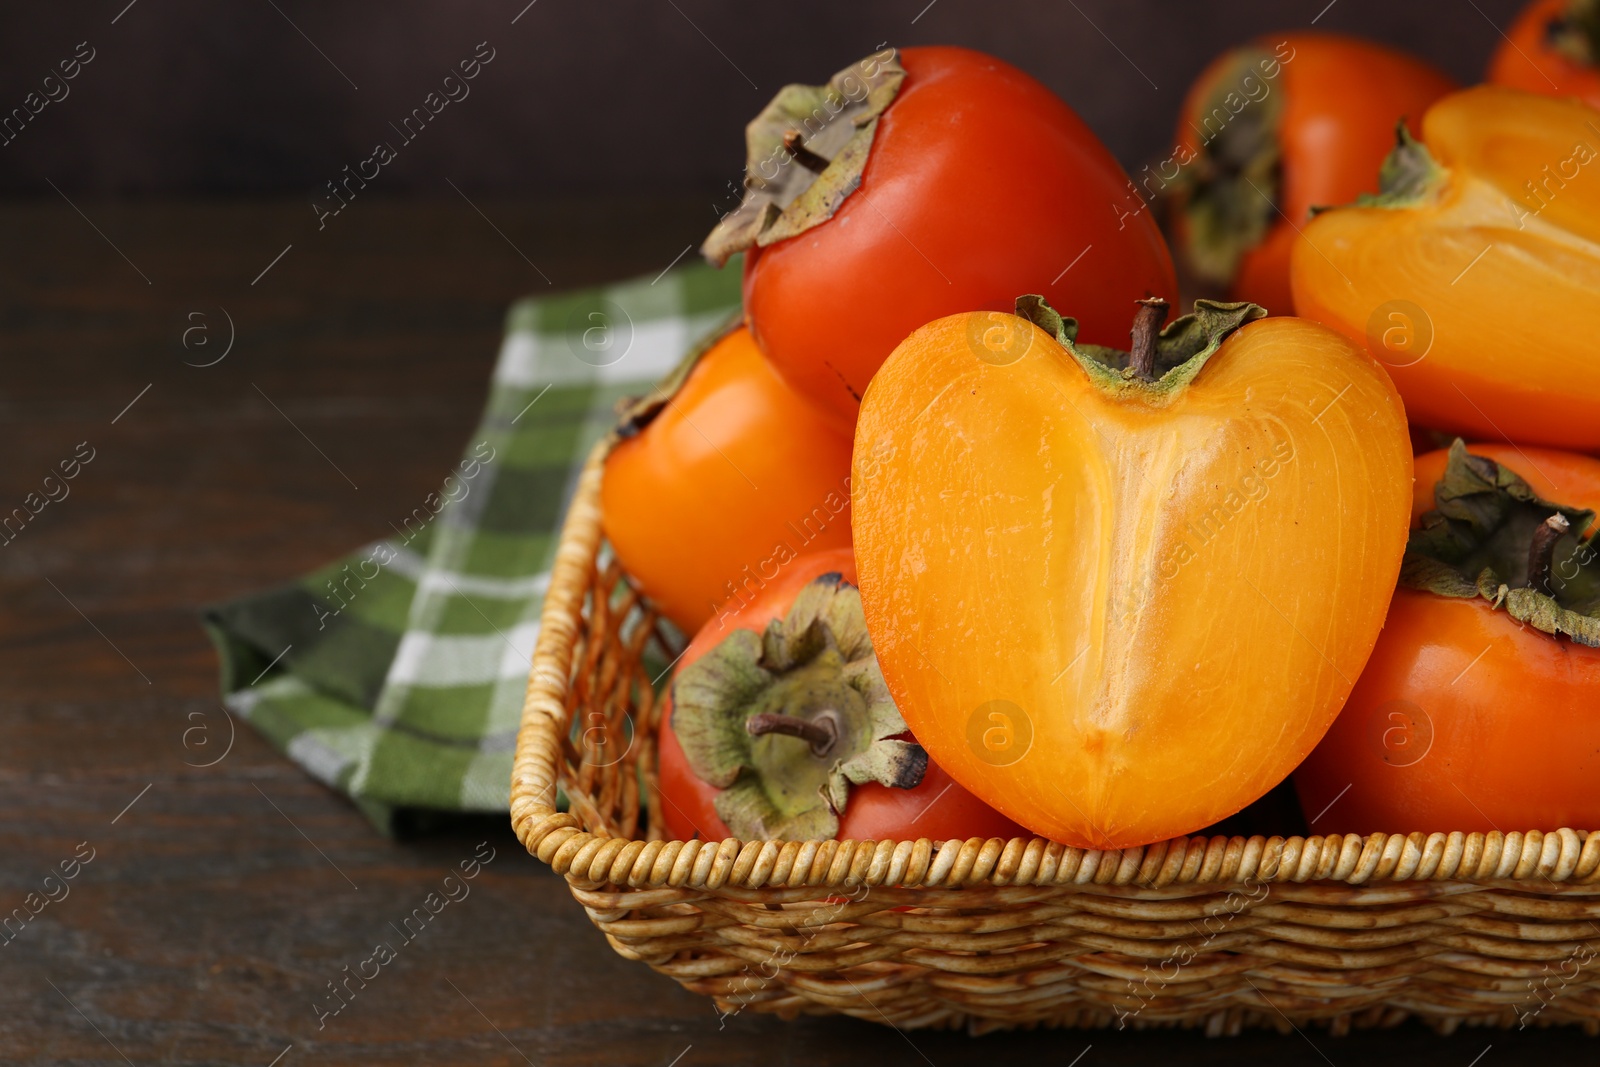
[(1492, 536), (1576, 33), (1409, 174), (805, 153), (785, 721), (1160, 364), (1229, 190)]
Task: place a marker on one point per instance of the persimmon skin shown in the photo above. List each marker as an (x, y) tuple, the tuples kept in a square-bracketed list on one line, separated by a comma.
[(936, 808), (1524, 61), (1505, 282), (981, 184), (1333, 133), (733, 477), (1507, 738), (1024, 538)]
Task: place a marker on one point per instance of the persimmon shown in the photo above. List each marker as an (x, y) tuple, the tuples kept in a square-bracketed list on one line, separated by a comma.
[(818, 689), (1552, 48), (1551, 473), (1477, 708), (1475, 275), (1117, 595), (918, 184), (1271, 130), (721, 477)]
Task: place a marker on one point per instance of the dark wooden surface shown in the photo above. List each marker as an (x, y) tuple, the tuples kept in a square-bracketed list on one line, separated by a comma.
[(219, 906)]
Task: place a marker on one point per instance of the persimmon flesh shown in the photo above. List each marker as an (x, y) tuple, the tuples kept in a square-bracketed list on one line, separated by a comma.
[(1476, 278), (1116, 610)]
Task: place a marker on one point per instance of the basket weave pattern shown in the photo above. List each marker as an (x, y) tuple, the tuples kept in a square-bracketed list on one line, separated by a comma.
[(1221, 933)]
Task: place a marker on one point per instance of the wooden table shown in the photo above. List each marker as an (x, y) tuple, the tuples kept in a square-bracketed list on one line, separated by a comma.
[(222, 900)]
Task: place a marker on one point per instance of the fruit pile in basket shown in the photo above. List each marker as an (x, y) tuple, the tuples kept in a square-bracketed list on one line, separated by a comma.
[(978, 533)]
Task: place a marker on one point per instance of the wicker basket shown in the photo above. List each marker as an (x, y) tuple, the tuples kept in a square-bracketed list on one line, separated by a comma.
[(1219, 933)]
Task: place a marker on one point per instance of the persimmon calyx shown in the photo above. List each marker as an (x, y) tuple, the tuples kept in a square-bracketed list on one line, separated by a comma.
[(1492, 536), (805, 153), (786, 721), (1228, 191), (1576, 34), (1409, 174), (1178, 353)]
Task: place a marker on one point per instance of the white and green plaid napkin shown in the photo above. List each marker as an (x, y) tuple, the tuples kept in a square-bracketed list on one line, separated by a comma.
[(397, 673)]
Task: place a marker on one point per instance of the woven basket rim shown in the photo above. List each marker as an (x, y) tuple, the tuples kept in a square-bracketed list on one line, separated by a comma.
[(1544, 862)]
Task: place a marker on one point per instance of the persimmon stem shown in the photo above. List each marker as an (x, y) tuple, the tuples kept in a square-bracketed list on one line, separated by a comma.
[(795, 142), (1146, 326), (1541, 551), (820, 731)]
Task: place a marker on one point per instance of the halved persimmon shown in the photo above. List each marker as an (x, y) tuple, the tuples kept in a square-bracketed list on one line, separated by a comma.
[(1120, 596), (1475, 275)]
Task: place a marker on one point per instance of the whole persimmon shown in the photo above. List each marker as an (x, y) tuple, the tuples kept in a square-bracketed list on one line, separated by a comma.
[(835, 762), (1552, 47), (1477, 708), (719, 479), (1271, 130), (918, 184), (1120, 595)]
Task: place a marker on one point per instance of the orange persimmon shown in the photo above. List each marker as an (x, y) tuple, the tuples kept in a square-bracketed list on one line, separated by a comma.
[(1471, 715), (1475, 275), (1271, 130), (1551, 48), (1120, 596), (720, 478)]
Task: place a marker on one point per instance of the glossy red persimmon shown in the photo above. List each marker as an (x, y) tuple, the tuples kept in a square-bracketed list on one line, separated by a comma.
[(1314, 133), (1465, 719), (1549, 48), (980, 184), (937, 808)]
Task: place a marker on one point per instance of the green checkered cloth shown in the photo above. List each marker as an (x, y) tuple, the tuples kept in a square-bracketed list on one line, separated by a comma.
[(397, 673)]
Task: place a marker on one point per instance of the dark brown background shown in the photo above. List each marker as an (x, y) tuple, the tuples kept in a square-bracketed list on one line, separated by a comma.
[(195, 96), (217, 907)]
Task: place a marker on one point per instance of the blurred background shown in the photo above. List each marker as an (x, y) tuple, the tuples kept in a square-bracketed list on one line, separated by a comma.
[(173, 186), (614, 97)]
